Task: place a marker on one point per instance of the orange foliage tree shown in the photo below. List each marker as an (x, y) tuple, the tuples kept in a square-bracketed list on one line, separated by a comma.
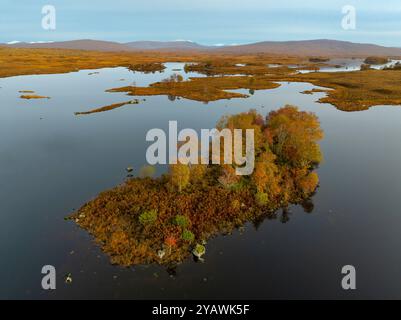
[(292, 135)]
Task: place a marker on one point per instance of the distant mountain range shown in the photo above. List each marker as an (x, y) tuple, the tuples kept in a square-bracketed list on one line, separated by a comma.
[(166, 45), (75, 44), (300, 48), (113, 46)]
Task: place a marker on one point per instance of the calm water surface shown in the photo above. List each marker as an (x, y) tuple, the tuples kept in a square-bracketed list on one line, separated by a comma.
[(347, 65), (52, 162)]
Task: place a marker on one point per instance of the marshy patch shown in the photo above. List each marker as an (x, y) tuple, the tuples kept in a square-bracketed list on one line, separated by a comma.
[(201, 89)]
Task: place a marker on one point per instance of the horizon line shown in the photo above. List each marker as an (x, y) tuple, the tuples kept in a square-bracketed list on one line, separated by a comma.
[(191, 41)]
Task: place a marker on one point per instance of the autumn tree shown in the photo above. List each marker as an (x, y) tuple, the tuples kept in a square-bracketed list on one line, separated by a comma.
[(244, 121), (179, 175), (228, 177), (266, 177), (293, 136), (197, 172), (307, 182)]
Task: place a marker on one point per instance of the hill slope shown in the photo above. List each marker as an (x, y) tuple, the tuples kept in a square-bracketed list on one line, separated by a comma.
[(166, 45), (76, 44), (299, 48), (314, 47)]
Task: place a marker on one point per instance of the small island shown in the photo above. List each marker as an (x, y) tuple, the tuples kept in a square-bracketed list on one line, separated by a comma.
[(147, 67), (376, 60), (33, 96), (30, 94), (165, 220)]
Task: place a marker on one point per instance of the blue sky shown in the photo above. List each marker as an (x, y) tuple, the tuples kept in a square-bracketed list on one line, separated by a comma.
[(204, 21)]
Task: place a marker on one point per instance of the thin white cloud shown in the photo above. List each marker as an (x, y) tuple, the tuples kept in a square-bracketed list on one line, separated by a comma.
[(34, 42)]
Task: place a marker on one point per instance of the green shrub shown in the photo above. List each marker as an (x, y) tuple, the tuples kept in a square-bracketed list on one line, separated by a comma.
[(148, 217), (199, 250), (181, 221), (188, 236), (262, 198), (240, 185)]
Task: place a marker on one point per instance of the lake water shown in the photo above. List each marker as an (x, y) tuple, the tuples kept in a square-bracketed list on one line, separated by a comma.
[(52, 162), (348, 65)]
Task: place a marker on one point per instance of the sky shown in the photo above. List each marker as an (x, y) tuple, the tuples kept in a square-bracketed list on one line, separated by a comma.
[(211, 22)]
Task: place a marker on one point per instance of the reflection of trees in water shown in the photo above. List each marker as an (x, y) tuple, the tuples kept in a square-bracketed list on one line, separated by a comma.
[(308, 205), (172, 270), (284, 214)]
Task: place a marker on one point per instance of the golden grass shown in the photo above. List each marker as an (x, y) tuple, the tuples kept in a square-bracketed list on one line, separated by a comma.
[(21, 61), (358, 90), (228, 67), (202, 89), (352, 91)]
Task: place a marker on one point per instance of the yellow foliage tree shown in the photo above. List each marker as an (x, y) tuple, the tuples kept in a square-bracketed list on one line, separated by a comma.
[(266, 176), (198, 172), (179, 175), (293, 136)]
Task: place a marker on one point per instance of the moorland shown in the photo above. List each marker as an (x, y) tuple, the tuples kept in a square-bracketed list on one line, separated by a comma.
[(348, 91)]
